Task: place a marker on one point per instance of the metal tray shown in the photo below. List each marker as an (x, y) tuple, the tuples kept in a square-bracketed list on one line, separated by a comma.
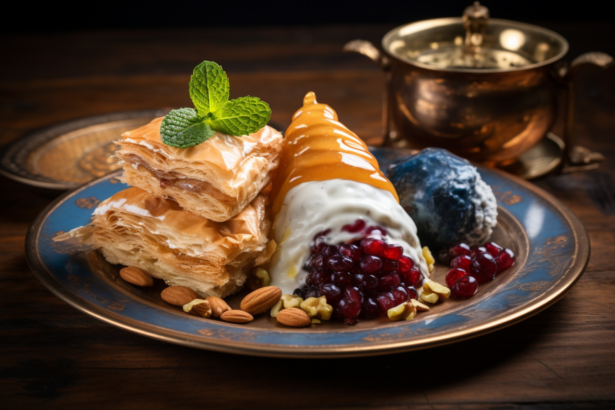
[(551, 245)]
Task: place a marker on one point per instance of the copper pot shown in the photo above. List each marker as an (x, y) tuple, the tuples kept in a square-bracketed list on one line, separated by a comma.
[(485, 89)]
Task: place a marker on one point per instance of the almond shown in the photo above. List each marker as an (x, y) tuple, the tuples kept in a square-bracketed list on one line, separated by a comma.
[(261, 300), (178, 295), (294, 317), (198, 307), (136, 276), (218, 306), (236, 316)]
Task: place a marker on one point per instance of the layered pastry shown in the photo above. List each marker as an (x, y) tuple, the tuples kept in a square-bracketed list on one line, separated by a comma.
[(135, 228), (337, 219), (216, 179)]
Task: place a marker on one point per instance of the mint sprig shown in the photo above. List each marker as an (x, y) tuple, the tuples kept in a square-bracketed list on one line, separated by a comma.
[(184, 128), (209, 91)]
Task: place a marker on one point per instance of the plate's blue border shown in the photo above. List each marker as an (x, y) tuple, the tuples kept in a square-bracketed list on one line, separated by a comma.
[(553, 246)]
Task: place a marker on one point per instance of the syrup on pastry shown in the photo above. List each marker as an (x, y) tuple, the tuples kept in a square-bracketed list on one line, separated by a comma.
[(317, 147)]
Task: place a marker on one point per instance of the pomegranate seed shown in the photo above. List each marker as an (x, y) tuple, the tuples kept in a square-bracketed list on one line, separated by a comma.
[(465, 287), (405, 263), (413, 276), (328, 250), (484, 267), (372, 246), (339, 262), (301, 293), (351, 251), (318, 242), (459, 249), (366, 280), (389, 265), (370, 264), (396, 279), (370, 308), (376, 230), (386, 301), (317, 262), (393, 251), (462, 262), (312, 292), (493, 248), (454, 275), (400, 294), (318, 277), (321, 234), (352, 293), (360, 291), (349, 308), (357, 226), (412, 293), (331, 291), (505, 259), (342, 279), (386, 282), (477, 250), (444, 257)]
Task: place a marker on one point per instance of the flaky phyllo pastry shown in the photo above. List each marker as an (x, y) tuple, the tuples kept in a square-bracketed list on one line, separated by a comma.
[(215, 179), (134, 228)]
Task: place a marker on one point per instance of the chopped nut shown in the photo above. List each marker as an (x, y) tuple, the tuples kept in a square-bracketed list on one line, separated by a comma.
[(315, 322), (259, 279), (276, 308), (294, 317), (218, 306), (261, 300), (433, 292), (420, 307), (440, 290), (198, 307), (136, 276), (317, 308), (178, 295), (291, 301), (236, 316), (429, 259), (405, 311), (429, 298), (286, 302)]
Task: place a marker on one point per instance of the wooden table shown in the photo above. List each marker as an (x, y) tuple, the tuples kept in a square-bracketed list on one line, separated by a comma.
[(54, 356)]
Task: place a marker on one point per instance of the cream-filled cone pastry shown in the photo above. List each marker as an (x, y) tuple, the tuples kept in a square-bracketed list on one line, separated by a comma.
[(216, 179), (329, 190), (135, 228)]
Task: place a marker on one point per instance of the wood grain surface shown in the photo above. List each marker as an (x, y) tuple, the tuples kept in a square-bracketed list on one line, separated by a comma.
[(53, 356)]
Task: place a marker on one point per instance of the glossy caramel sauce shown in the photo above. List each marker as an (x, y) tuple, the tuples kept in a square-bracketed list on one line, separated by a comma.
[(317, 147)]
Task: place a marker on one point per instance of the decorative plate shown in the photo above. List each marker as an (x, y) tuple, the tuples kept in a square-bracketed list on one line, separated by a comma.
[(67, 155), (551, 245)]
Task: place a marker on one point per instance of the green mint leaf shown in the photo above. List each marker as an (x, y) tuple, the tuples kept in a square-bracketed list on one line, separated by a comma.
[(184, 128), (209, 87), (241, 116)]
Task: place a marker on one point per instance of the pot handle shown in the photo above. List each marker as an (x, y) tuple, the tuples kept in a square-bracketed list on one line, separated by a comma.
[(367, 49), (578, 158)]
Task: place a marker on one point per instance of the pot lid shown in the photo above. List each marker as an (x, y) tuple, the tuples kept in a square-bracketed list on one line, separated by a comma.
[(474, 43)]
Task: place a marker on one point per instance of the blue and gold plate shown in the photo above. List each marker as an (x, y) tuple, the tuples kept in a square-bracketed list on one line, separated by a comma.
[(551, 245)]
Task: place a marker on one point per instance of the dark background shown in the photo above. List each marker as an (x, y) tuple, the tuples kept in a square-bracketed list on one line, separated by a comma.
[(61, 62), (51, 16)]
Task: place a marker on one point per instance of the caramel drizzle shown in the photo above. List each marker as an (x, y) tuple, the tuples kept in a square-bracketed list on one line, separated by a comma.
[(317, 147)]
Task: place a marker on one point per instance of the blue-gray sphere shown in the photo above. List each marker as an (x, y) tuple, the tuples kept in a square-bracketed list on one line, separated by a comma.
[(446, 198)]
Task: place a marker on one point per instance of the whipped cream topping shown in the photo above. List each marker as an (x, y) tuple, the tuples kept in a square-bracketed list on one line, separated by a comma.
[(313, 207)]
